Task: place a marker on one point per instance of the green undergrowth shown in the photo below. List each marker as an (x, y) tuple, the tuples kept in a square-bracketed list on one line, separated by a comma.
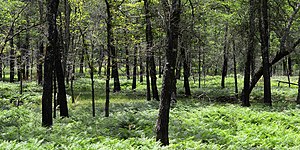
[(195, 123)]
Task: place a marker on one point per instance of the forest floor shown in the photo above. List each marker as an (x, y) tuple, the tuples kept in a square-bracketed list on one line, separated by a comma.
[(211, 119)]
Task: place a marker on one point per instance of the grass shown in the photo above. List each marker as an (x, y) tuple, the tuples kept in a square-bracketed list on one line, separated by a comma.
[(195, 123)]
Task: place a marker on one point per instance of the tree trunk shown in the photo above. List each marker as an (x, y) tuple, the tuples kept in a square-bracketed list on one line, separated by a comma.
[(110, 48), (141, 66), (134, 68), (52, 6), (150, 53), (246, 94), (100, 60), (127, 63), (1, 65), (169, 73), (199, 68), (61, 95), (234, 69), (12, 59), (298, 97), (225, 61), (54, 94), (186, 71), (159, 64), (66, 43), (264, 33)]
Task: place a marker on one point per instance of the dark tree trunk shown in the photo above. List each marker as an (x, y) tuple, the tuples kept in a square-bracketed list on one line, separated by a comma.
[(298, 97), (127, 63), (55, 94), (81, 61), (52, 6), (91, 65), (225, 61), (39, 62), (199, 68), (246, 94), (186, 70), (72, 81), (100, 60), (115, 72), (203, 68), (12, 58), (289, 69), (234, 70), (150, 53), (141, 65), (27, 51), (19, 58), (67, 37), (264, 33), (110, 48), (134, 68), (159, 64), (178, 68), (1, 65), (61, 95), (169, 73)]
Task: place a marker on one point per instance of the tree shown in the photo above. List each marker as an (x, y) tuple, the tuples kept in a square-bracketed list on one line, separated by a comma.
[(172, 18), (52, 6), (246, 94), (150, 54)]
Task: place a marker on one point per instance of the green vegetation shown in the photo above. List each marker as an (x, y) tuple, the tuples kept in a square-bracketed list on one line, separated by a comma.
[(195, 123)]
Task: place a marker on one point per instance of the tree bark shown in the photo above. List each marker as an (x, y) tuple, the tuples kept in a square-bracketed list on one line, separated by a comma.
[(169, 73), (186, 71), (12, 58), (225, 59), (150, 53), (127, 63), (141, 65), (234, 70), (246, 94), (134, 68), (110, 48), (298, 97), (52, 6), (264, 33)]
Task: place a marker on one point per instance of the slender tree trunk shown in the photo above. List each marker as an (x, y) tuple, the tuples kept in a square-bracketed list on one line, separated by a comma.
[(110, 48), (246, 94), (225, 61), (159, 64), (56, 103), (100, 61), (234, 69), (169, 73), (1, 65), (289, 70), (186, 70), (134, 68), (27, 50), (264, 33), (61, 95), (199, 68), (141, 66), (39, 62), (298, 97), (67, 37), (52, 6), (91, 65), (127, 63), (150, 53), (12, 58)]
